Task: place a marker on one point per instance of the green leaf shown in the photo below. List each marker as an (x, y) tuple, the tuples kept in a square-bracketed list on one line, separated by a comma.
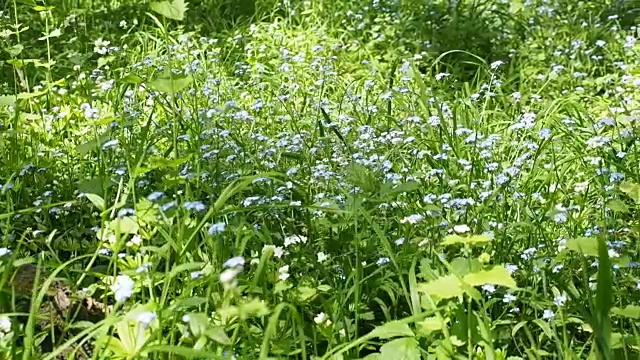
[(7, 100), (97, 200), (15, 50), (632, 190), (462, 266), (429, 325), (171, 84), (218, 335), (469, 240), (124, 225), (392, 329), (583, 245), (305, 293), (443, 287), (400, 349), (498, 275), (618, 206), (544, 326), (171, 9), (631, 311), (601, 321)]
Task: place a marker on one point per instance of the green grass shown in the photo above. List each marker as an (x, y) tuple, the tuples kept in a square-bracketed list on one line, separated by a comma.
[(320, 180)]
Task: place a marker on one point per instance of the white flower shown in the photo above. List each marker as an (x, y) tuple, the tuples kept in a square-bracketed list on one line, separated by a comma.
[(494, 65), (5, 324), (412, 219), (237, 261), (145, 318), (4, 251), (322, 257), (461, 229), (135, 240), (228, 276), (284, 273), (122, 288), (489, 288), (511, 268), (322, 319), (508, 298), (560, 300), (548, 314), (294, 239)]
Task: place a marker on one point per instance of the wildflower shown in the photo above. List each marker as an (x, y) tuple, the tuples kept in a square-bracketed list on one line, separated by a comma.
[(399, 241), (489, 288), (294, 239), (143, 268), (156, 195), (4, 251), (547, 314), (560, 300), (146, 318), (136, 240), (322, 319), (234, 262), (412, 219), (382, 261), (194, 205), (168, 205), (110, 144), (122, 288), (461, 229), (441, 76), (216, 228), (556, 269), (508, 298), (322, 257), (528, 253), (494, 65), (196, 274), (228, 276), (284, 273), (5, 324)]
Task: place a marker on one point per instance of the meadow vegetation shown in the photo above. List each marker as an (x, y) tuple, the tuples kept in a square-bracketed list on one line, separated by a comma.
[(364, 179)]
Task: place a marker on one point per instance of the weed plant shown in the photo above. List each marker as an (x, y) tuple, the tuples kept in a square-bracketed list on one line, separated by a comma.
[(319, 179)]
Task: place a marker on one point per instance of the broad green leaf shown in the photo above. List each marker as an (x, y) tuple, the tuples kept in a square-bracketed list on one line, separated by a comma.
[(405, 348), (584, 245), (124, 225), (305, 293), (171, 9), (15, 50), (198, 323), (7, 100), (429, 325), (463, 266), (97, 200), (618, 206), (444, 287), (469, 240), (632, 190), (630, 311), (498, 275), (392, 329), (171, 84), (218, 335)]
